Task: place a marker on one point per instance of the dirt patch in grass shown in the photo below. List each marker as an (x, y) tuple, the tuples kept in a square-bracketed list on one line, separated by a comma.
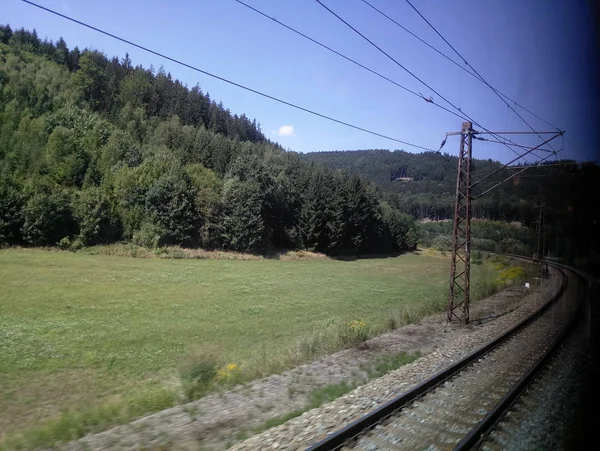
[(219, 420)]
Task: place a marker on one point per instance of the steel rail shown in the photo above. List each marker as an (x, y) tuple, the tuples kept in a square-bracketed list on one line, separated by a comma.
[(340, 437), (475, 436)]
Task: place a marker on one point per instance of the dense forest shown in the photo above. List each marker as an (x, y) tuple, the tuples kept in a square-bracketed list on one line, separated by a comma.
[(423, 185), (96, 150)]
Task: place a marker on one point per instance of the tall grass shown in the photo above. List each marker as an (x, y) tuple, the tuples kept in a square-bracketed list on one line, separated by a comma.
[(78, 422)]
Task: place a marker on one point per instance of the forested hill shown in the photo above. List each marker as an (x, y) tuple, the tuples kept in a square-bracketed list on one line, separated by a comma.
[(96, 150), (424, 185)]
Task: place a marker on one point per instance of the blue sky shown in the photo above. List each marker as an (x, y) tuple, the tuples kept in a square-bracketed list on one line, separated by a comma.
[(541, 53)]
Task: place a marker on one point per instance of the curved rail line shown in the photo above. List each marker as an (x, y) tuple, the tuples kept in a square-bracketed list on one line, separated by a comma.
[(368, 422)]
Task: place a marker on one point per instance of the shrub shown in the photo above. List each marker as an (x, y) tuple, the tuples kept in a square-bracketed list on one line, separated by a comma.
[(484, 244), (77, 244), (47, 218), (511, 275), (230, 374), (149, 235), (513, 246), (442, 243), (198, 371), (353, 333), (65, 243)]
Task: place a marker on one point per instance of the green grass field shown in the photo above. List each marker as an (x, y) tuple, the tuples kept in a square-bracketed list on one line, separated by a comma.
[(91, 333)]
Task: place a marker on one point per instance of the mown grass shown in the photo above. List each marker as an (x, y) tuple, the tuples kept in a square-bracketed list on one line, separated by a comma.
[(93, 340)]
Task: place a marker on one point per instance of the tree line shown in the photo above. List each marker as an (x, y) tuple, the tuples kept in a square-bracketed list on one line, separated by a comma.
[(566, 190), (94, 150), (429, 192)]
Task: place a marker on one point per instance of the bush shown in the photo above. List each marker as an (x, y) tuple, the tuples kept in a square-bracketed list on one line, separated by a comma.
[(47, 219), (442, 243), (353, 333), (149, 235), (77, 244), (65, 243), (484, 244), (198, 371), (513, 246), (511, 275)]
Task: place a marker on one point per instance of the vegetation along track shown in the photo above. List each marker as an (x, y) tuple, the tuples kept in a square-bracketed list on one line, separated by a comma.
[(452, 409)]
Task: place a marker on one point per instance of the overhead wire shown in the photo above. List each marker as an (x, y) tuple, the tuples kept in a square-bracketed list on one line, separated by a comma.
[(454, 62), (465, 116), (363, 66), (503, 142), (473, 69), (538, 163), (347, 58), (531, 149), (225, 80), (358, 64)]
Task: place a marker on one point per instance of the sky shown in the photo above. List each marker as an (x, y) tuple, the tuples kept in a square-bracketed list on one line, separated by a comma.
[(543, 54)]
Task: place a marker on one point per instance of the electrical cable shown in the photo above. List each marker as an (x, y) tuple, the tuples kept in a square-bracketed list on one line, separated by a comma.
[(454, 62), (538, 163), (320, 44), (410, 73), (474, 70), (503, 142)]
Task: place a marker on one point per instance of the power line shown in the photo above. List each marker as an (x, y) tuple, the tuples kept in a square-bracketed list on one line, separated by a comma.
[(454, 62), (390, 57), (226, 80), (347, 58), (538, 163), (473, 69), (351, 60), (504, 142), (408, 71), (519, 133), (531, 149)]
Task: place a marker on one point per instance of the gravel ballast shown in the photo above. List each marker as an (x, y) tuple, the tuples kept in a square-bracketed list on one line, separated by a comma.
[(317, 423)]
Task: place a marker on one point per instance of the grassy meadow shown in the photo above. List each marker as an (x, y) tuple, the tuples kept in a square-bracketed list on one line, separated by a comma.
[(90, 340)]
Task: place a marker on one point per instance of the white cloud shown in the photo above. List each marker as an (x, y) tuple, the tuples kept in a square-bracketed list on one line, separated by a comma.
[(286, 130)]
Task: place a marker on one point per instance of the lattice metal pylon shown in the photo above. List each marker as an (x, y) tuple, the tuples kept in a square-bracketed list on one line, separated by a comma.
[(460, 269)]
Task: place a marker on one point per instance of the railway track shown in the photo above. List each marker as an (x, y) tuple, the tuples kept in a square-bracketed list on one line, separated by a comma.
[(456, 407)]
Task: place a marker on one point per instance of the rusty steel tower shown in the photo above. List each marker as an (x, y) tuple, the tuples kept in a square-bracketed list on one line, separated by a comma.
[(460, 269)]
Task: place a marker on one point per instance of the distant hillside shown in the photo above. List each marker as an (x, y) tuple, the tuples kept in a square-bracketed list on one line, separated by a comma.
[(423, 184)]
